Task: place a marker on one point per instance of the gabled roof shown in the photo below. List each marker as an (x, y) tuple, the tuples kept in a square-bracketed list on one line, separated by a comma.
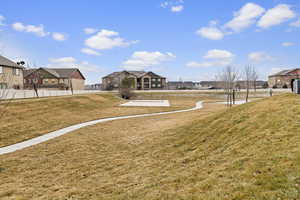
[(57, 72), (284, 72), (137, 74), (26, 72), (8, 63)]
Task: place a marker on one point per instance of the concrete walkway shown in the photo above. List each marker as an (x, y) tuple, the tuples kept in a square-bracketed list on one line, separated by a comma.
[(54, 134)]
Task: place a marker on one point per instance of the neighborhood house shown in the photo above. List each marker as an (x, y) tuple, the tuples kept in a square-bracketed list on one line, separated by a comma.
[(54, 78), (11, 74), (284, 78), (141, 80)]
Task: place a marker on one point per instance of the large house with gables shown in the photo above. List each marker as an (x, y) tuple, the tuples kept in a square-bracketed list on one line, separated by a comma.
[(11, 74), (284, 78), (142, 80), (54, 78)]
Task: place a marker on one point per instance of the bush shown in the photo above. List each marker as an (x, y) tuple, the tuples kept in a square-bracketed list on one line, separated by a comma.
[(126, 93), (285, 86), (275, 87), (126, 88), (265, 85)]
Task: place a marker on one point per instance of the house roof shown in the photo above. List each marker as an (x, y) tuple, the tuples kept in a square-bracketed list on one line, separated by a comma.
[(57, 72), (8, 63), (26, 72), (137, 74), (284, 72)]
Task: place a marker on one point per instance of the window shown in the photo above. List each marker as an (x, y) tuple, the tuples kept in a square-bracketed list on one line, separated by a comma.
[(158, 85), (158, 79), (153, 79), (53, 81), (1, 70), (46, 81), (16, 71), (153, 85)]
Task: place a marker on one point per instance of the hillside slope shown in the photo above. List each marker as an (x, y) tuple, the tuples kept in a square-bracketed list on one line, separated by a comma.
[(249, 152)]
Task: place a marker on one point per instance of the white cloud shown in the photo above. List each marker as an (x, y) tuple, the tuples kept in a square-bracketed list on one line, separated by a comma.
[(211, 33), (59, 36), (70, 62), (218, 54), (106, 39), (259, 56), (90, 52), (214, 58), (174, 5), (178, 8), (296, 23), (245, 17), (287, 44), (37, 30), (216, 63), (276, 16), (2, 19), (143, 59), (63, 60), (90, 30)]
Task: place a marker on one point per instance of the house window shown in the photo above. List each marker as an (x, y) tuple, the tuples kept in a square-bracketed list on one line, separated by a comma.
[(153, 85), (46, 81), (153, 79), (1, 70), (158, 85), (53, 81), (158, 79), (16, 71)]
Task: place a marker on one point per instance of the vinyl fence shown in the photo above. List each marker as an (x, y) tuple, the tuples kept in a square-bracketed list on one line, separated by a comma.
[(23, 94)]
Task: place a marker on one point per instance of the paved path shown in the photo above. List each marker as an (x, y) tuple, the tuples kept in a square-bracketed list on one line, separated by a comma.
[(54, 134)]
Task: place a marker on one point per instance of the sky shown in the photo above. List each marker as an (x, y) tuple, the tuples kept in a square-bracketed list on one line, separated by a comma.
[(190, 40)]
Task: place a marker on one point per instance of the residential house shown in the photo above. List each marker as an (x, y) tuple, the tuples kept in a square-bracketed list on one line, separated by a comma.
[(141, 80), (284, 78), (54, 78), (11, 74)]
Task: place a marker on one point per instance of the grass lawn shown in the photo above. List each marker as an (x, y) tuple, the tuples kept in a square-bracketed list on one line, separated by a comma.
[(26, 119), (248, 152)]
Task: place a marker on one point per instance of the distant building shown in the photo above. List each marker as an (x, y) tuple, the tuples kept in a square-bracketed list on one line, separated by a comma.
[(11, 74), (284, 78), (93, 87), (180, 85), (54, 78), (142, 80)]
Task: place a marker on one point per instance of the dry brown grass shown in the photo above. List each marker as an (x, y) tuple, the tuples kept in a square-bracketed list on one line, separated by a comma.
[(93, 163), (25, 119), (248, 152)]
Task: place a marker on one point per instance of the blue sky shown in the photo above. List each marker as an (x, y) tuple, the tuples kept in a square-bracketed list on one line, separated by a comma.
[(187, 39)]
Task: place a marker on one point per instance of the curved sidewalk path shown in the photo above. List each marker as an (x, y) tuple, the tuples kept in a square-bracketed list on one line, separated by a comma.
[(54, 134)]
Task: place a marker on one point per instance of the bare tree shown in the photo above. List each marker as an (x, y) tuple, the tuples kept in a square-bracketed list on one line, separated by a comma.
[(250, 76), (126, 88), (228, 77), (255, 78), (248, 71)]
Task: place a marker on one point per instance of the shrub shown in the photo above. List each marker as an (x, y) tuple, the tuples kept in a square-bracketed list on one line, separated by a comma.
[(126, 88), (265, 85), (285, 86)]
